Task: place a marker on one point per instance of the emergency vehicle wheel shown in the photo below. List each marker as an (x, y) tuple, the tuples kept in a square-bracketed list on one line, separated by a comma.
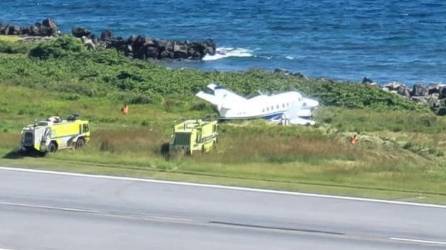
[(79, 143), (52, 148)]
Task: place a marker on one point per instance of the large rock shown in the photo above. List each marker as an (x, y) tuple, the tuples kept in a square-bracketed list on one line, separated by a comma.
[(180, 50), (106, 36), (433, 89), (48, 28), (442, 92), (419, 90), (403, 90), (367, 80), (81, 32)]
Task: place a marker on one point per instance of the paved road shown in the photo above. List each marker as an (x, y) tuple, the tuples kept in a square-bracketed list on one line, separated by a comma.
[(62, 211)]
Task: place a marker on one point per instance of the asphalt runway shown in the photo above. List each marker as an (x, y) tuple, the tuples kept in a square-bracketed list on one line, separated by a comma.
[(44, 210)]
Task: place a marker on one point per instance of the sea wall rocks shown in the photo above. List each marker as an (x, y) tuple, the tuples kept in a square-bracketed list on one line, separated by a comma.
[(142, 47), (433, 95), (45, 28)]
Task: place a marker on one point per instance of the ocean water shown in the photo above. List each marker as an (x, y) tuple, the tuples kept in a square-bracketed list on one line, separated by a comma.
[(386, 40)]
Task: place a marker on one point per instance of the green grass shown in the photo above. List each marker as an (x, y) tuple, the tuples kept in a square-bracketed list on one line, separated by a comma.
[(7, 38), (399, 156)]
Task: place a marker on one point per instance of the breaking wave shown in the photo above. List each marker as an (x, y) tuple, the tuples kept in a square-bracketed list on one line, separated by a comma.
[(228, 52)]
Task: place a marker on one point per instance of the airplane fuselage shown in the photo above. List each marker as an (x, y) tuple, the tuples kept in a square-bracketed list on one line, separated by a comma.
[(262, 106), (290, 107)]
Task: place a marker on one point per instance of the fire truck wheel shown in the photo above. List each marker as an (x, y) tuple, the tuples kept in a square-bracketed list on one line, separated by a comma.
[(52, 148), (80, 143)]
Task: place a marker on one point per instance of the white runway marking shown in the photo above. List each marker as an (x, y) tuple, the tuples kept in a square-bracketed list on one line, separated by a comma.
[(224, 187), (421, 241), (103, 213), (47, 207)]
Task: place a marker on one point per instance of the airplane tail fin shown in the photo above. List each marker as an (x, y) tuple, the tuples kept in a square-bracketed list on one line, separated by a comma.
[(220, 97)]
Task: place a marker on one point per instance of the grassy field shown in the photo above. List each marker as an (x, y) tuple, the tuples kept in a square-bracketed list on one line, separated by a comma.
[(400, 154)]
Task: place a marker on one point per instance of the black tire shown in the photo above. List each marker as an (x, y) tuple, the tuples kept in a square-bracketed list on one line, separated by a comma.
[(79, 143), (165, 149), (52, 148)]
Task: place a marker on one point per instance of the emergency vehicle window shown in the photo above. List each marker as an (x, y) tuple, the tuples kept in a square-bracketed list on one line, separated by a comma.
[(182, 139), (85, 128)]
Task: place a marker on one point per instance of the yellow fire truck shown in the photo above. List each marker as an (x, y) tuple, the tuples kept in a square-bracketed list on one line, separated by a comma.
[(54, 133), (194, 135)]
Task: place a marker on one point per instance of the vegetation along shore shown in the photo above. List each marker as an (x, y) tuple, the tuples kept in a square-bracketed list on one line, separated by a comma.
[(399, 154)]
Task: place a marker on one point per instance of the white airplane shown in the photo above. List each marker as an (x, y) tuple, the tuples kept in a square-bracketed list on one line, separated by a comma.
[(286, 108)]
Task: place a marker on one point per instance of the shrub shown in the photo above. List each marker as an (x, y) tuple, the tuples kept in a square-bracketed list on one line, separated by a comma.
[(138, 99), (13, 48), (57, 48)]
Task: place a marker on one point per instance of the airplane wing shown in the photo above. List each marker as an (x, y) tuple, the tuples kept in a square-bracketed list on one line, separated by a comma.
[(299, 114), (209, 98), (301, 121)]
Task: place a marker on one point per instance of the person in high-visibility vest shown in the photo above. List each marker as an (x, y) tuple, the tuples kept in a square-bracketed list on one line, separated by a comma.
[(125, 109)]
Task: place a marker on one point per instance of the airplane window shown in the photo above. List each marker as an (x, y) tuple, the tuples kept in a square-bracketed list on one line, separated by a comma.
[(277, 106), (283, 105), (272, 107)]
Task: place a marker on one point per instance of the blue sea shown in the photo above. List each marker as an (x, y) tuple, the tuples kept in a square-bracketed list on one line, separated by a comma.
[(385, 40)]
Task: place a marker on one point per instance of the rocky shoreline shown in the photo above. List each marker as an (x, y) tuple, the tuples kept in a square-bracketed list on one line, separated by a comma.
[(433, 95), (140, 47), (45, 28)]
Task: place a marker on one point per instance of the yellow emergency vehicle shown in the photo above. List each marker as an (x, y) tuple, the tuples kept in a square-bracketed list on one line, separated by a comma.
[(194, 135), (55, 133)]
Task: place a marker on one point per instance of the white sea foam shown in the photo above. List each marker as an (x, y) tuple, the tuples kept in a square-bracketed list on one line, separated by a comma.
[(228, 52), (289, 57)]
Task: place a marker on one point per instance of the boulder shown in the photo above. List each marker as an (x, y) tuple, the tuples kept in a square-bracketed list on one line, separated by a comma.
[(106, 35), (48, 28), (152, 51), (393, 86), (367, 80), (138, 47), (442, 92), (433, 89), (33, 30), (81, 32), (209, 47), (2, 29), (403, 90), (12, 30), (419, 90), (180, 50)]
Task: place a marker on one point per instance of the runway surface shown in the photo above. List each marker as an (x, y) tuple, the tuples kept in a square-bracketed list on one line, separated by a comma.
[(44, 210)]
